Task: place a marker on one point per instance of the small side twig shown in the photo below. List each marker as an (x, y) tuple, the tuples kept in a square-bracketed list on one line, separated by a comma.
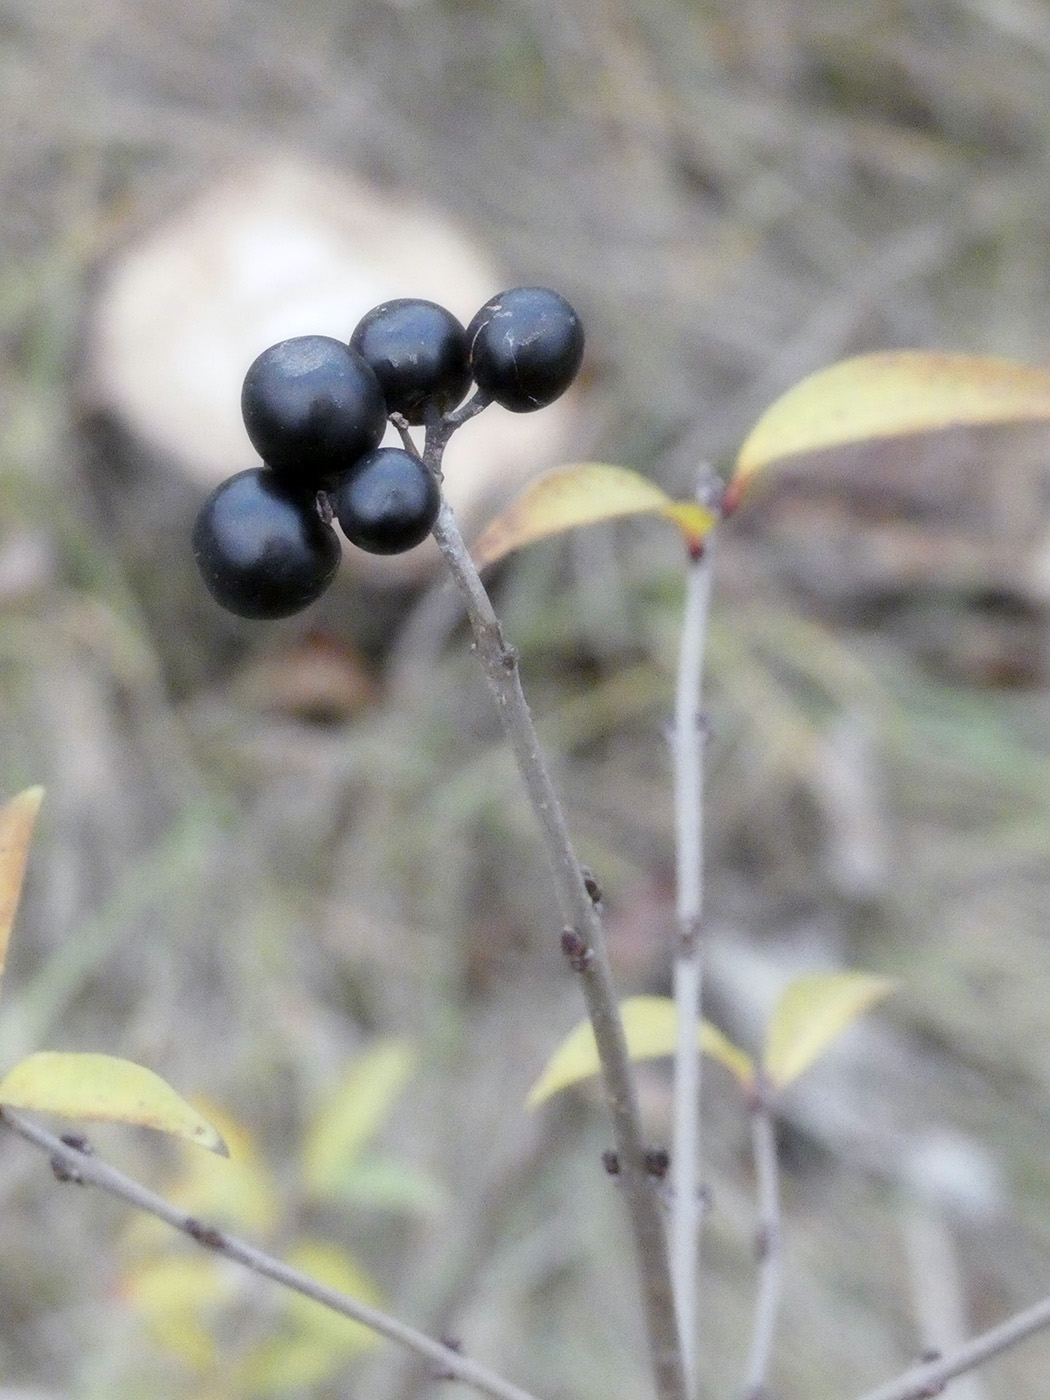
[(768, 1245), (937, 1287), (687, 750), (72, 1161), (404, 431), (929, 1378), (580, 914)]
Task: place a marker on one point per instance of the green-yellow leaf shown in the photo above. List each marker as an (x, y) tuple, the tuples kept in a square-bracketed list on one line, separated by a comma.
[(891, 394), (721, 1048), (296, 1364), (650, 1026), (354, 1113), (812, 1012), (388, 1183), (17, 818), (584, 494), (172, 1296), (102, 1087)]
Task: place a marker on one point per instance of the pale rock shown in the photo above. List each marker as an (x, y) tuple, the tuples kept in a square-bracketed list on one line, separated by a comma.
[(274, 250)]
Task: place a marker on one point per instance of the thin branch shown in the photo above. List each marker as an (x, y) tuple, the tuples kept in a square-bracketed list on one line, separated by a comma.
[(79, 1164), (584, 943), (938, 1292), (769, 1246), (687, 750), (930, 1377)]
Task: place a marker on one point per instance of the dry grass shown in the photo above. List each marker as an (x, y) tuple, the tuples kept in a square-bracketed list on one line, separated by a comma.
[(733, 195)]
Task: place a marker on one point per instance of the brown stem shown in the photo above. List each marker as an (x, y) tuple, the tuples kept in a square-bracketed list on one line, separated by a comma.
[(499, 662)]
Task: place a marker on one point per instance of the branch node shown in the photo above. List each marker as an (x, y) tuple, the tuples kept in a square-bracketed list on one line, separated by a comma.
[(657, 1162), (591, 885), (689, 931), (935, 1388), (78, 1143), (577, 950), (205, 1235), (65, 1171), (766, 1242), (451, 1344), (611, 1162)]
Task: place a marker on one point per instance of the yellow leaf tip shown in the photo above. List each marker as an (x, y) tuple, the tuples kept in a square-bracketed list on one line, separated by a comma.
[(216, 1143)]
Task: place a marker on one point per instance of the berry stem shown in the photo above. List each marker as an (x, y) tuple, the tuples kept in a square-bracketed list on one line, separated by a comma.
[(402, 425), (439, 431), (578, 911)]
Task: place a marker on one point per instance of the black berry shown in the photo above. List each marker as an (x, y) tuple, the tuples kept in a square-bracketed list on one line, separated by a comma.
[(261, 546), (312, 406), (418, 352), (388, 503), (525, 348)]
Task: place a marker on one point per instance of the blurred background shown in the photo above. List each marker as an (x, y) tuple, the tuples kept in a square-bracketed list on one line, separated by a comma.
[(270, 853)]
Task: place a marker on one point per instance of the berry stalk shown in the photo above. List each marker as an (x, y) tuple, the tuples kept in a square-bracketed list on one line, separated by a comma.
[(499, 661)]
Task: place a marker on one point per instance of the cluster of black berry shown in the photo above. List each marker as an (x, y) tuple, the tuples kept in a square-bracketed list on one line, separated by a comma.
[(316, 411)]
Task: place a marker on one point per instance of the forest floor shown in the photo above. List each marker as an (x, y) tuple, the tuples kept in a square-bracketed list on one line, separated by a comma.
[(249, 895)]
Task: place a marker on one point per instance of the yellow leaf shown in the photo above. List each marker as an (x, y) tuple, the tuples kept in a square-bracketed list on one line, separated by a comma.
[(722, 1049), (354, 1113), (812, 1012), (583, 495), (650, 1026), (16, 829), (891, 394), (101, 1087)]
